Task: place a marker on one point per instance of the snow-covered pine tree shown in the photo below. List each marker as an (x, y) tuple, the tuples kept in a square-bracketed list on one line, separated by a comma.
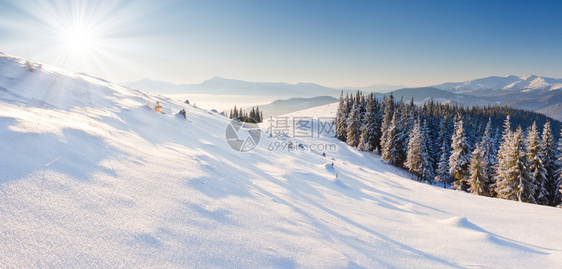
[(364, 143), (341, 117), (489, 156), (414, 156), (548, 155), (504, 156), (556, 185), (378, 115), (369, 135), (353, 126), (536, 165), (389, 151), (460, 157), (478, 179), (514, 178), (442, 174), (434, 140), (427, 170), (402, 132), (506, 129), (387, 118)]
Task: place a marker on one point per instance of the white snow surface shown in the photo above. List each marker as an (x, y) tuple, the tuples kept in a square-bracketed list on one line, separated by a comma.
[(525, 83), (91, 177)]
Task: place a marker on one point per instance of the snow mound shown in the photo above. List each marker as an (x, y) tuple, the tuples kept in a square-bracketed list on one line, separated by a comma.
[(461, 222)]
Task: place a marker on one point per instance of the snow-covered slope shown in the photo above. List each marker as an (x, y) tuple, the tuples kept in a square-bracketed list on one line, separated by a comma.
[(528, 82), (91, 177)]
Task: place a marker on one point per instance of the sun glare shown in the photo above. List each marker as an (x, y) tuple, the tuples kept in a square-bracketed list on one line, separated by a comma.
[(89, 36), (78, 39)]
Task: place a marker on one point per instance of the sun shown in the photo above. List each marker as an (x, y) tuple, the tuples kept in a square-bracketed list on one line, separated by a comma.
[(78, 39)]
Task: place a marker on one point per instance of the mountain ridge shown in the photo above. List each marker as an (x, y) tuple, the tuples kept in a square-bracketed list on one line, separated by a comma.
[(507, 83)]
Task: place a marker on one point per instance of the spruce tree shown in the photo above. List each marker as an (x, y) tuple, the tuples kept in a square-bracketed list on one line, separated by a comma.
[(364, 139), (234, 113), (556, 185), (252, 115), (367, 140), (258, 114), (488, 156), (536, 165), (353, 127), (478, 179), (460, 156), (442, 174), (387, 118), (414, 157), (514, 178), (403, 129), (549, 155), (427, 170), (389, 151), (341, 118)]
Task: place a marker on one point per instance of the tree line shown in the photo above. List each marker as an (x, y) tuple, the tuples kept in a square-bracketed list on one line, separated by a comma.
[(254, 116), (474, 149)]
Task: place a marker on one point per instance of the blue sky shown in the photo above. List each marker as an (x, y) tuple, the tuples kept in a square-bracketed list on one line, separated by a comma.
[(333, 43)]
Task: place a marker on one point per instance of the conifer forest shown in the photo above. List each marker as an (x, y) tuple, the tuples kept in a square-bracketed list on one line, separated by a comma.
[(494, 151)]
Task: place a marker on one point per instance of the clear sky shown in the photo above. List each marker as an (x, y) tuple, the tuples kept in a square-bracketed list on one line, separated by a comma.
[(333, 43)]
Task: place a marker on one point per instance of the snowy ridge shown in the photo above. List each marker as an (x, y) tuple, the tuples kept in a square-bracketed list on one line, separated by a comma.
[(527, 83), (92, 177)]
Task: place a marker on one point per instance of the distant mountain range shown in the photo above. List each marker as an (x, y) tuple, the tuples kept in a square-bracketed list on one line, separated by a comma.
[(223, 86), (375, 88), (508, 83), (531, 92)]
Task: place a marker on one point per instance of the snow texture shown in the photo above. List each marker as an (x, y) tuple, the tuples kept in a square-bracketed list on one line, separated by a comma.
[(92, 177)]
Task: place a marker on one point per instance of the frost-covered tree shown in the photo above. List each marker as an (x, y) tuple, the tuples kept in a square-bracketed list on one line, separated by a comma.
[(389, 150), (460, 157), (489, 155), (369, 130), (478, 179), (487, 144), (427, 170), (364, 139), (414, 158), (418, 160), (442, 173), (341, 118), (386, 122), (548, 155), (514, 178), (402, 132), (353, 126), (536, 165), (556, 185)]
